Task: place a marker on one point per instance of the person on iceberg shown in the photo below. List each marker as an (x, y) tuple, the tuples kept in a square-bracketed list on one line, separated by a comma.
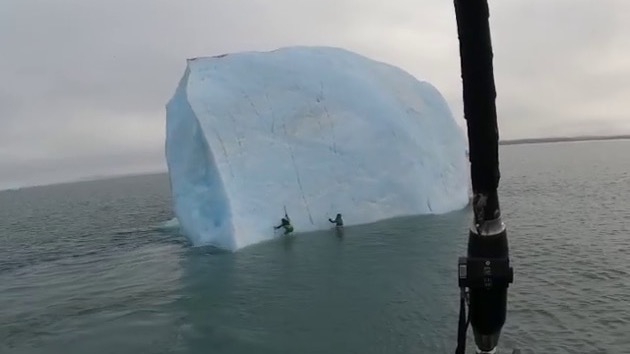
[(338, 221), (286, 223)]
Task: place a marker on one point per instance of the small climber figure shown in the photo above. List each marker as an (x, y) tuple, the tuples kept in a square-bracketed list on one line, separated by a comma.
[(286, 223), (338, 221)]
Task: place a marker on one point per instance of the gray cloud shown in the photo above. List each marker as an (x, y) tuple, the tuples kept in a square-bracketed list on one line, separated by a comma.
[(85, 82), (561, 66)]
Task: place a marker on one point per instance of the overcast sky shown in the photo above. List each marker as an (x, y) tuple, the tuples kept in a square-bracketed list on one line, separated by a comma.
[(84, 82)]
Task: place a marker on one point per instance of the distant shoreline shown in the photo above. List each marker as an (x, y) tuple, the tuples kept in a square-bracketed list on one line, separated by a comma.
[(563, 139), (159, 172)]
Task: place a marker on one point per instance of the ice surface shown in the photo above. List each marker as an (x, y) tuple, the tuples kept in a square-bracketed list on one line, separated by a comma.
[(317, 130)]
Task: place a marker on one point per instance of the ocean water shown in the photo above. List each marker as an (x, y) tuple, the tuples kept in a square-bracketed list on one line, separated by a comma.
[(92, 267)]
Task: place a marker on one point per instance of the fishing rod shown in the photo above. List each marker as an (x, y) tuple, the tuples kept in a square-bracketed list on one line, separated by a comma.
[(485, 274)]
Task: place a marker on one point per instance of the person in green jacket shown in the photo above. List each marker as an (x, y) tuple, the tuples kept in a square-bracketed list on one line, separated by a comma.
[(286, 223)]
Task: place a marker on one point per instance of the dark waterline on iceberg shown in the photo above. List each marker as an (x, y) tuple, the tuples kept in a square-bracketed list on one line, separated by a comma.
[(89, 268)]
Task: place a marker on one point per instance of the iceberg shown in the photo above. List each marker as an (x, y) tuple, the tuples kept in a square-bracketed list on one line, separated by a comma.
[(314, 131)]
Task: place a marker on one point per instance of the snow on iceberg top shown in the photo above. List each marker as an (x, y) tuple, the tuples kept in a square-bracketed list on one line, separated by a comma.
[(315, 130)]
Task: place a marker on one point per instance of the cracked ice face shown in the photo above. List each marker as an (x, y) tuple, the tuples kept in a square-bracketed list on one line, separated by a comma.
[(313, 131)]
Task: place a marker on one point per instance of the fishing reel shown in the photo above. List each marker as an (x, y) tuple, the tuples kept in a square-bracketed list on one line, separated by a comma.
[(484, 276)]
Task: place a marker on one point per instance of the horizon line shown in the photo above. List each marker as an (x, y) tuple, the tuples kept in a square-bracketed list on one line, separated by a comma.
[(557, 139), (521, 141)]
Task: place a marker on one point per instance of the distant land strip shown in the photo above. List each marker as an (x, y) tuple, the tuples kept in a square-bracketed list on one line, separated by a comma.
[(563, 139)]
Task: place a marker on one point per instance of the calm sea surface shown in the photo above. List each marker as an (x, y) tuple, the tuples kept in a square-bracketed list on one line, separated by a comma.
[(93, 267)]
